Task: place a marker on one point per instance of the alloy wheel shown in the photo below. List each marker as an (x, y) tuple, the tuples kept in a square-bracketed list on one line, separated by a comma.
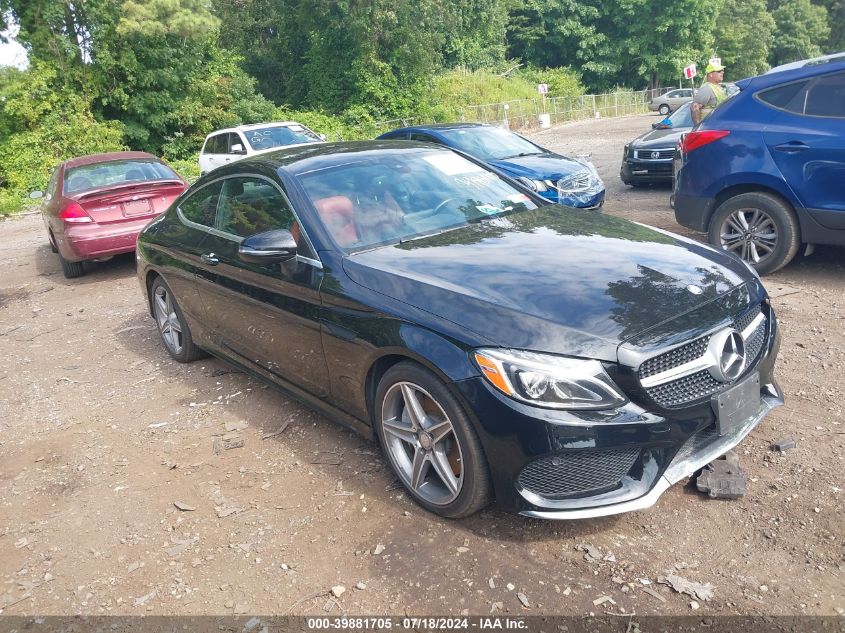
[(750, 233), (421, 442), (167, 319)]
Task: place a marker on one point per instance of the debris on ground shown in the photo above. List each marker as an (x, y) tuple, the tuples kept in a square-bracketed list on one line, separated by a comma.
[(142, 600), (591, 553), (230, 441), (524, 600), (602, 600), (723, 478), (497, 606), (784, 445), (278, 431), (378, 550), (653, 593), (361, 586), (693, 605), (338, 591), (184, 507), (682, 585), (236, 426)]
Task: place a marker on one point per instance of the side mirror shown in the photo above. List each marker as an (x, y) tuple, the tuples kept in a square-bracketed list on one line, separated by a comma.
[(269, 247), (35, 195), (237, 148)]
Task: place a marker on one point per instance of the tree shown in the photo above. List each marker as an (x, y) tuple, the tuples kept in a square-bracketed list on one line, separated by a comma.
[(836, 21), (744, 37), (649, 41), (801, 31), (474, 33)]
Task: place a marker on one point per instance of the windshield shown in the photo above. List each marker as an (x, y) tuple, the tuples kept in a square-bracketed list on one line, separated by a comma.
[(119, 172), (490, 143), (682, 117), (390, 198), (279, 136)]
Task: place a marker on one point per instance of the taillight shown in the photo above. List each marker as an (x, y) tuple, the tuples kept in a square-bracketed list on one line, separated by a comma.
[(74, 214), (694, 140)]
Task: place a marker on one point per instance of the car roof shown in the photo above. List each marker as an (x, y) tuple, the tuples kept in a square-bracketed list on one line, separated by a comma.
[(253, 126), (91, 159), (813, 61), (311, 156), (794, 71)]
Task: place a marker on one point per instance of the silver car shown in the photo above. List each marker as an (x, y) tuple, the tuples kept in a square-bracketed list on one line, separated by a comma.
[(671, 101)]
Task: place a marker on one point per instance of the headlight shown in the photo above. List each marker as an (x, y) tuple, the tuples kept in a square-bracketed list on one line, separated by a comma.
[(549, 381), (535, 185)]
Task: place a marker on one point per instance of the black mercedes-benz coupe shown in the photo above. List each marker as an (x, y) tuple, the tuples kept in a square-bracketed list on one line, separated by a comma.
[(564, 363)]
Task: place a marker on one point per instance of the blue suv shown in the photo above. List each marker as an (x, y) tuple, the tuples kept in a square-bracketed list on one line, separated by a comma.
[(764, 174), (570, 181)]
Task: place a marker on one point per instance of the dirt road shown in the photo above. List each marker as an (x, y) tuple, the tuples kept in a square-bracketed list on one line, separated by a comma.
[(103, 435)]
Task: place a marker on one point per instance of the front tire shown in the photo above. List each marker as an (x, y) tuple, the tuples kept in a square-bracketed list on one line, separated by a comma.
[(429, 442), (665, 109), (174, 330), (759, 227)]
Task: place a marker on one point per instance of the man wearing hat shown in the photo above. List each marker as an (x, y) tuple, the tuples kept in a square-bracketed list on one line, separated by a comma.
[(710, 94)]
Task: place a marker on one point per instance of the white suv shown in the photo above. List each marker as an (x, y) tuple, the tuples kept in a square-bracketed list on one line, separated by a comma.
[(226, 146)]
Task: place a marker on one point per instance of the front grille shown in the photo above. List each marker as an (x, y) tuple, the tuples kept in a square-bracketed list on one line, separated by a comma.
[(578, 182), (662, 154), (678, 356), (687, 389), (578, 473), (680, 392)]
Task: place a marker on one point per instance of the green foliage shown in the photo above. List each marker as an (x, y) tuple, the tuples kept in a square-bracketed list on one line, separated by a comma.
[(158, 18), (474, 33), (188, 168), (562, 82), (744, 37), (801, 31)]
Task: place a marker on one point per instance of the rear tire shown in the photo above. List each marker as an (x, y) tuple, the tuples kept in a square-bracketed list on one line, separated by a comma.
[(71, 270), (665, 109), (172, 326), (430, 443), (759, 227), (52, 241)]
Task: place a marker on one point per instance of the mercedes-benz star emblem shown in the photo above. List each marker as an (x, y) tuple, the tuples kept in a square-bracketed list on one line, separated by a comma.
[(655, 154), (727, 350)]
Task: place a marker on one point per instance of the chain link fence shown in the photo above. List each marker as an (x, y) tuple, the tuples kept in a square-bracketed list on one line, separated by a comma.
[(526, 114)]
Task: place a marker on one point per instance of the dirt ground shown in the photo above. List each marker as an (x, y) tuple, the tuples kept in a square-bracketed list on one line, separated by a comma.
[(101, 434)]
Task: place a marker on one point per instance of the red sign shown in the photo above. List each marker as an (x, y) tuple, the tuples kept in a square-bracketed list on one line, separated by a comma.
[(689, 71)]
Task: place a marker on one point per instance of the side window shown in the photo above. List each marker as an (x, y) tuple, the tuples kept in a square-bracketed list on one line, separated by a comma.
[(416, 136), (826, 97), (234, 139), (789, 97), (674, 94), (53, 184), (252, 205), (201, 206)]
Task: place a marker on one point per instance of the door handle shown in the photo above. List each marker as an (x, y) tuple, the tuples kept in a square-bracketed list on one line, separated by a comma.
[(792, 147), (210, 259)]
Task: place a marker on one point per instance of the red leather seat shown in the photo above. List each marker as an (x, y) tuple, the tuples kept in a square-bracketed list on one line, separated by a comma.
[(336, 214)]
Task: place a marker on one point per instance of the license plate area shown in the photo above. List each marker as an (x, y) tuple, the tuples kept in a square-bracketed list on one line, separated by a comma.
[(136, 207), (737, 404)]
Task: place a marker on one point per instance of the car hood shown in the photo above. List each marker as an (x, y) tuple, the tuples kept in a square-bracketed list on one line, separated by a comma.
[(553, 279), (659, 138), (548, 166)]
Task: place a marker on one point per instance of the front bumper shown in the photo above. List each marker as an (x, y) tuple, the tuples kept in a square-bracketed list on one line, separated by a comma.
[(645, 171), (610, 461), (581, 201)]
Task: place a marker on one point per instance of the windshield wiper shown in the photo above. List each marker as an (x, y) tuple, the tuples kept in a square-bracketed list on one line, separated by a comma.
[(521, 154)]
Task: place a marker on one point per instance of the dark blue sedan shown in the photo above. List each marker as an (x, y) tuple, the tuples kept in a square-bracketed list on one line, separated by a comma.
[(763, 174), (570, 181)]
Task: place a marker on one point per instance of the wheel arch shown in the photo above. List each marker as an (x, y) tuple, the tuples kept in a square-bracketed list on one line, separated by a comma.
[(149, 279), (735, 190)]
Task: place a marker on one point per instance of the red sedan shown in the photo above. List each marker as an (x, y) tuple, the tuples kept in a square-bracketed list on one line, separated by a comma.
[(96, 205)]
